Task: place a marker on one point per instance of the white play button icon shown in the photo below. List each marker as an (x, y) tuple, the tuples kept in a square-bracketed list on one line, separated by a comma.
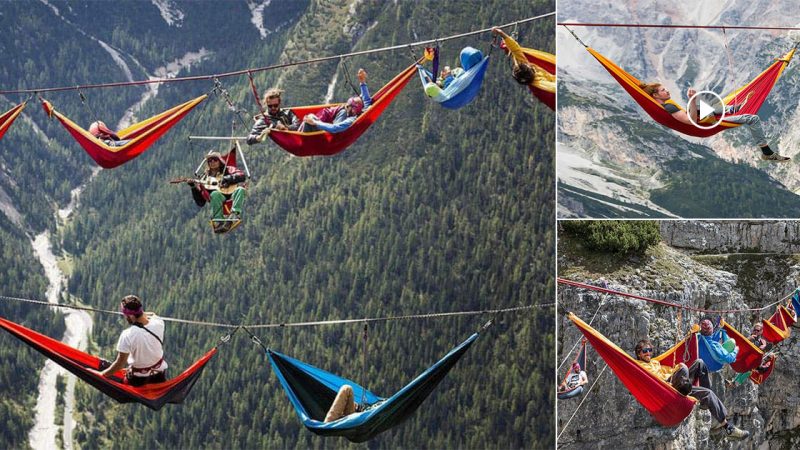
[(705, 109), (708, 104)]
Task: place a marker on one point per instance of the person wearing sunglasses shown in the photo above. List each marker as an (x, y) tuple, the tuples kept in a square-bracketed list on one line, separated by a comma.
[(757, 337), (682, 379), (275, 117)]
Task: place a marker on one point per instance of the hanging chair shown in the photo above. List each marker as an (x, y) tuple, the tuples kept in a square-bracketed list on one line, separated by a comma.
[(580, 359), (154, 396), (749, 356), (229, 159), (141, 135), (312, 391), (667, 406), (464, 88), (322, 143), (760, 87), (777, 327), (9, 117)]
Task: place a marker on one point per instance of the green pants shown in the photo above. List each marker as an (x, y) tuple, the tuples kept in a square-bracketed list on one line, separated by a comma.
[(218, 199)]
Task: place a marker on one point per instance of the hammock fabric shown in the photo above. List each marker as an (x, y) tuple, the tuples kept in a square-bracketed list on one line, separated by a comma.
[(760, 87), (322, 143), (759, 377), (141, 135), (686, 351), (749, 356), (154, 396), (580, 359), (9, 117), (312, 391), (463, 89), (667, 406), (546, 61), (795, 303), (777, 327)]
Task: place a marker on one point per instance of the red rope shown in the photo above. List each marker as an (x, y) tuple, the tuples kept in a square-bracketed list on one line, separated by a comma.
[(644, 25), (660, 302)]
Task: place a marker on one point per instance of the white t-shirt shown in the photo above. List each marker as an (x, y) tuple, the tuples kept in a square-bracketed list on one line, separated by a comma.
[(143, 348)]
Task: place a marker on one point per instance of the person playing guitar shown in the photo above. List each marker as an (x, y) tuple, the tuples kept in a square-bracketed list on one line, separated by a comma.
[(220, 182)]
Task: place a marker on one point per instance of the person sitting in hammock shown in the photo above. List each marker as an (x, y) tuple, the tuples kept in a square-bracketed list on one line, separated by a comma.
[(140, 347), (226, 177), (576, 378), (757, 337), (99, 130), (343, 405), (523, 71), (682, 378), (338, 118), (751, 121), (276, 118)]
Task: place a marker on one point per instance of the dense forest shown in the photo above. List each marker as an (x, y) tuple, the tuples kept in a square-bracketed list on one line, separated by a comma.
[(430, 211)]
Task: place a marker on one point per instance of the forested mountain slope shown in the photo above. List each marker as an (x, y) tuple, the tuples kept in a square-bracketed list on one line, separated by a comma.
[(431, 210)]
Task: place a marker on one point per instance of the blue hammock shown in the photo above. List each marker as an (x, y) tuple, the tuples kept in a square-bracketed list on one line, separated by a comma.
[(796, 302), (312, 391), (464, 88)]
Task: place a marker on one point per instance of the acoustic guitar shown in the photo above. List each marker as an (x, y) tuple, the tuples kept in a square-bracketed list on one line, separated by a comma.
[(209, 184)]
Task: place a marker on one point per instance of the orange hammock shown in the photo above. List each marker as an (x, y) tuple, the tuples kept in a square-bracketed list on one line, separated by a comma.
[(546, 61), (760, 87), (667, 406), (749, 356), (84, 365), (777, 327), (141, 135), (9, 117), (322, 143)]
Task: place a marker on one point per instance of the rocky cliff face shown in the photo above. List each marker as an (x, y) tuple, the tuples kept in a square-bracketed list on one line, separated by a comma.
[(609, 416)]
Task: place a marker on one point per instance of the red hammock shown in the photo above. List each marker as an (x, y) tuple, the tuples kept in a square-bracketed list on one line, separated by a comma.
[(667, 406), (154, 396), (760, 86), (322, 143), (547, 62), (777, 327), (9, 117), (759, 377), (142, 135), (749, 356)]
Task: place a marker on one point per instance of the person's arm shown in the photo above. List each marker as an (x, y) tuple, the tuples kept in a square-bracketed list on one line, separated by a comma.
[(294, 122), (118, 364), (362, 80), (692, 107), (197, 195), (234, 176), (513, 47), (258, 129), (336, 127), (583, 379)]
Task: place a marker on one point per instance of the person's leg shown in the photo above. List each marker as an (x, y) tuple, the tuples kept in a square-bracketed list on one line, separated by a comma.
[(699, 371), (343, 404), (238, 200), (217, 199), (680, 380), (708, 399)]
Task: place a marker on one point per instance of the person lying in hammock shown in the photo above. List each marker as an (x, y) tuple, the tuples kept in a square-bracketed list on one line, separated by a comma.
[(576, 378), (751, 121), (682, 379), (276, 118), (218, 184), (523, 71), (338, 118), (99, 130), (140, 347)]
